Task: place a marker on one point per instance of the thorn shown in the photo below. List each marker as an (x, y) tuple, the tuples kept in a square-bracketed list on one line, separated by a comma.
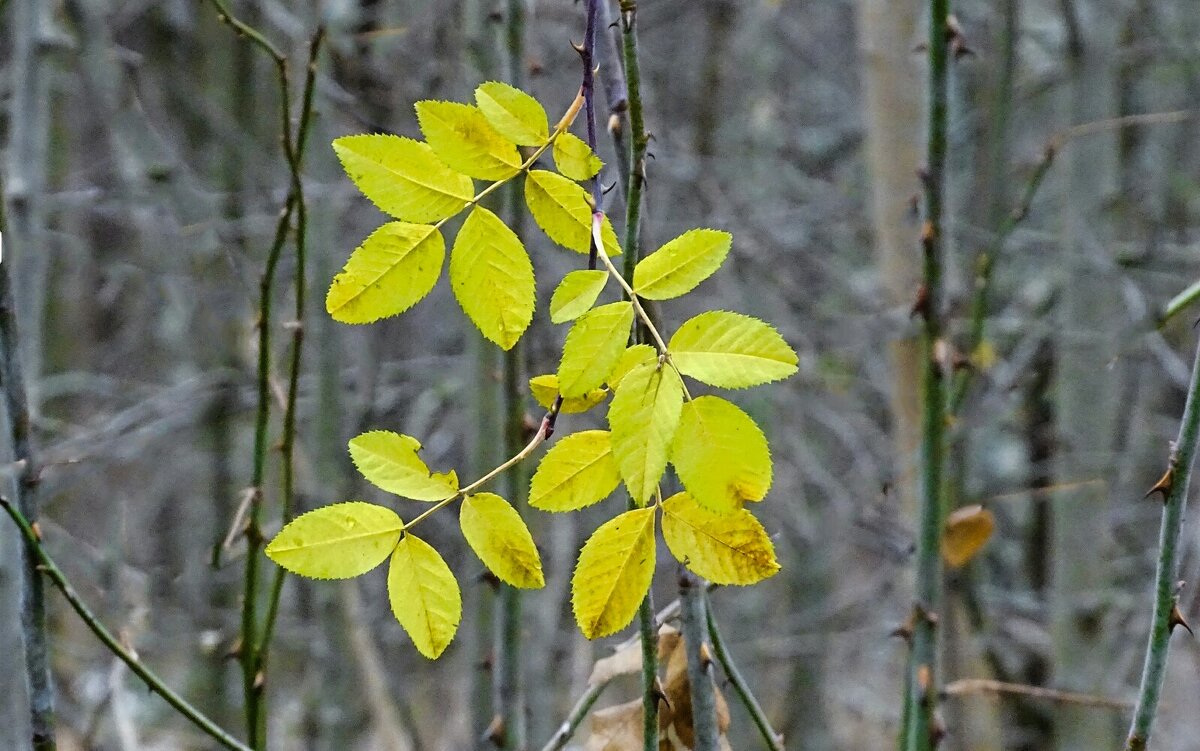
[(495, 731), (914, 207), (661, 693), (923, 175), (235, 651), (614, 124), (536, 68), (928, 233), (904, 630), (36, 530), (924, 681), (578, 48), (605, 190), (1176, 619), (260, 680), (921, 304), (706, 657), (937, 730), (1163, 485)]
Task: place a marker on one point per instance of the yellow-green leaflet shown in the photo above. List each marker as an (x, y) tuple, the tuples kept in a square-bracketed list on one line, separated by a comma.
[(403, 177), (340, 541), (633, 356), (723, 548), (496, 533), (677, 267), (389, 273), (389, 461), (424, 596), (593, 346), (562, 209), (731, 351), (576, 294), (576, 472), (614, 572), (720, 455), (574, 158), (545, 390), (512, 113), (643, 416), (492, 278), (462, 138)]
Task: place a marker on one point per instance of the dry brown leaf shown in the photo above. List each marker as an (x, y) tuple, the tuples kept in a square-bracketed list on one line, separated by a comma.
[(627, 660), (967, 530), (617, 728), (675, 715)]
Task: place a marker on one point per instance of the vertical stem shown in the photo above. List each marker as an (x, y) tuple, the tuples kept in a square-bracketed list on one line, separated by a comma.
[(33, 600), (704, 696), (638, 140), (1165, 618), (508, 689), (922, 667)]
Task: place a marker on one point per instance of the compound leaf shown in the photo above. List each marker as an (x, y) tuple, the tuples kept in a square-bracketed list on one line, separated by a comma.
[(723, 548), (731, 350), (462, 138), (389, 273), (643, 418), (563, 211), (677, 267), (721, 455), (390, 462), (634, 355), (339, 541), (593, 346), (492, 278), (512, 113), (576, 472), (576, 294), (498, 535), (424, 595), (403, 177), (614, 572), (574, 158)]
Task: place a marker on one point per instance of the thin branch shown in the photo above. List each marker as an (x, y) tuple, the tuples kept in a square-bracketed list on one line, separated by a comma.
[(970, 686), (920, 683), (772, 739), (1174, 487), (47, 566), (575, 717)]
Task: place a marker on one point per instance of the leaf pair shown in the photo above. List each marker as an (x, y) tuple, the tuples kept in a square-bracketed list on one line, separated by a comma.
[(345, 540), (616, 564)]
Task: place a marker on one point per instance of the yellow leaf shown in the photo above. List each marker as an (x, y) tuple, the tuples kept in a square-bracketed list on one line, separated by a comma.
[(545, 391), (967, 530), (576, 472), (424, 595), (403, 177), (498, 535), (389, 273), (720, 454), (633, 356), (593, 347), (563, 210), (731, 351), (574, 158), (340, 541), (512, 113), (492, 278), (614, 572), (576, 294), (677, 267), (643, 417), (723, 548), (462, 138), (389, 461)]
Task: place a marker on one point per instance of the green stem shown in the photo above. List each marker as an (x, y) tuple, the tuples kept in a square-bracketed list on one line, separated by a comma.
[(1179, 303), (1177, 479), (47, 566), (635, 183), (922, 666), (692, 609), (772, 739)]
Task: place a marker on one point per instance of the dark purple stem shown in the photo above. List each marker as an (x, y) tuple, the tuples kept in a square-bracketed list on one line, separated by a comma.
[(588, 53)]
